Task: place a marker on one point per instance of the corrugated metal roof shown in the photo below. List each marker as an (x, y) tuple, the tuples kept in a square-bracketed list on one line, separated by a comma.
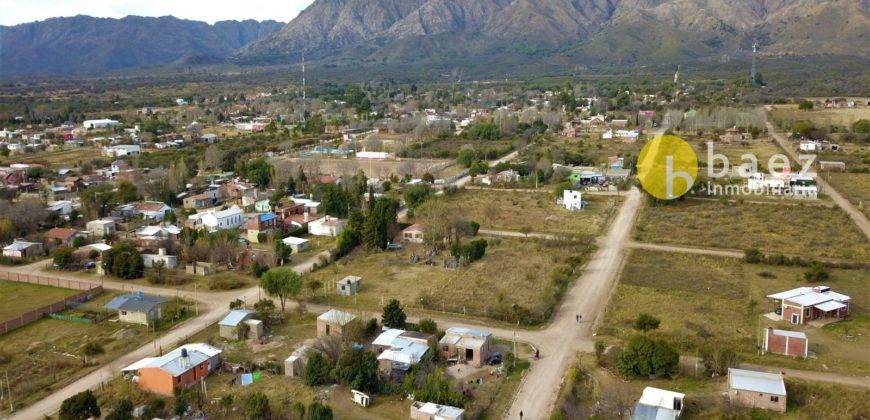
[(830, 306), (468, 331), (292, 240), (136, 302), (387, 337), (234, 318), (749, 380), (334, 316), (792, 334)]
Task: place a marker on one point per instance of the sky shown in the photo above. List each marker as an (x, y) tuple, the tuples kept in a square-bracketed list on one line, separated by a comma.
[(13, 12)]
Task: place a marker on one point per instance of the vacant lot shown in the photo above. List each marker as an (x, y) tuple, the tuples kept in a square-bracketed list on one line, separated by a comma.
[(823, 118), (513, 277), (373, 169), (719, 302), (808, 231), (68, 158), (514, 210), (18, 297), (762, 148), (855, 187), (48, 354)]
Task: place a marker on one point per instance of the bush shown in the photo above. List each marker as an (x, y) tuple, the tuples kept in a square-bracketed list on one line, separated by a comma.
[(79, 407), (394, 315), (124, 261), (123, 410), (257, 407), (317, 370), (646, 322), (817, 272), (63, 257), (318, 411), (717, 361), (753, 256), (428, 326), (93, 348), (645, 357)]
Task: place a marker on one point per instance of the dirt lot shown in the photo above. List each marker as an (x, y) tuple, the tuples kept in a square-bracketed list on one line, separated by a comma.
[(64, 158), (18, 297), (513, 210), (348, 167), (721, 302), (808, 231), (484, 288), (855, 187), (843, 117)]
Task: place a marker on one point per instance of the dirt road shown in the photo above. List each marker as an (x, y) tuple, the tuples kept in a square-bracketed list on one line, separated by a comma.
[(564, 337), (832, 378), (687, 249), (826, 188)]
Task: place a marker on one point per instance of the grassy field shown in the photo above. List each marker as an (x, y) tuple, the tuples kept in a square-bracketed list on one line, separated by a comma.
[(483, 289), (373, 169), (855, 187), (808, 231), (843, 117), (599, 388), (721, 302), (18, 297), (513, 210), (67, 158), (591, 150), (48, 354)]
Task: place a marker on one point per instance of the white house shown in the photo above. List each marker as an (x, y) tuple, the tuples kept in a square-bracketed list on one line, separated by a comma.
[(810, 146), (326, 226), (104, 123), (22, 249), (169, 261), (297, 245), (231, 218), (101, 228), (658, 404), (572, 200), (152, 210), (122, 150)]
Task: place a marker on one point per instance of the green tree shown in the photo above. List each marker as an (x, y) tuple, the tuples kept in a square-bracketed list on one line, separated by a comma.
[(805, 105), (380, 223), (318, 411), (358, 369), (335, 200), (439, 390), (126, 192), (97, 200), (123, 410), (817, 272), (258, 171), (644, 357), (415, 195), (124, 261), (428, 326), (646, 322), (466, 157), (394, 315), (281, 283), (63, 257), (317, 370), (282, 251), (81, 406), (861, 126), (79, 242), (257, 407)]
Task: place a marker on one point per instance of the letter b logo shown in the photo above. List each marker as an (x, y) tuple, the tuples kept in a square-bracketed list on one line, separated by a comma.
[(667, 167)]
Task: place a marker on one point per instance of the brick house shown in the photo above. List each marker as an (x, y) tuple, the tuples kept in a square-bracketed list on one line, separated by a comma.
[(63, 236), (752, 389), (413, 234), (466, 345), (262, 223), (787, 343), (805, 304), (332, 323), (181, 368)]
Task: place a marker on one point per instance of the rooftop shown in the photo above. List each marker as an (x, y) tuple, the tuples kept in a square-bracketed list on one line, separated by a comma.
[(136, 302), (749, 380), (235, 317), (334, 316)]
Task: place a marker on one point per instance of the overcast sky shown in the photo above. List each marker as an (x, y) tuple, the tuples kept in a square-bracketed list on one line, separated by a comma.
[(13, 12)]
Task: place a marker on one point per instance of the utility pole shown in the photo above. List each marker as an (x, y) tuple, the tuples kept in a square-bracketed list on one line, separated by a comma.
[(9, 392)]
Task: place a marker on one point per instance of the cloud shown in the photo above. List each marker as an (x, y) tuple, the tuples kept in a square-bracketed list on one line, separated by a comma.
[(21, 11)]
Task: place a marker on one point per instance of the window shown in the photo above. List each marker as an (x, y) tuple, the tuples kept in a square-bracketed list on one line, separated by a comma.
[(774, 398)]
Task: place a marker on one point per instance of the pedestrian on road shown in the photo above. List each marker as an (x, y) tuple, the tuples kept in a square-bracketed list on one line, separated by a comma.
[(578, 317), (521, 415)]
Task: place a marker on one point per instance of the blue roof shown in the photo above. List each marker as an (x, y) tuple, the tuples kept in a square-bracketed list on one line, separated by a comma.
[(234, 318), (268, 216), (173, 363), (136, 302)]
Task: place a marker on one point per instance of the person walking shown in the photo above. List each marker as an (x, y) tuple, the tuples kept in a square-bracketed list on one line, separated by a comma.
[(521, 415)]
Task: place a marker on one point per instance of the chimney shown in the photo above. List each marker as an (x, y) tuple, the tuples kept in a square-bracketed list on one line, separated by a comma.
[(185, 359), (305, 219)]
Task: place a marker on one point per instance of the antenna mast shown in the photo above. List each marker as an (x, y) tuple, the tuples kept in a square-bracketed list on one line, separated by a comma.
[(303, 77), (752, 72)]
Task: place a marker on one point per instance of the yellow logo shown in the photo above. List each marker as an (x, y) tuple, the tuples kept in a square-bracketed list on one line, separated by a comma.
[(667, 167)]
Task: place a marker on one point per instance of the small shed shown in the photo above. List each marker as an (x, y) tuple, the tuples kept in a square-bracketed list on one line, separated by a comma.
[(753, 389), (787, 343), (295, 364), (349, 286), (229, 326), (332, 323), (297, 245)]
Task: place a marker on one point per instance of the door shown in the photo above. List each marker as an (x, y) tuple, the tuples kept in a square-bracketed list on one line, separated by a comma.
[(794, 318)]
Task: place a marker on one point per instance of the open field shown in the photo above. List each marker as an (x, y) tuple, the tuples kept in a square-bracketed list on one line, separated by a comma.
[(46, 355), (373, 168), (841, 117), (591, 150), (806, 400), (808, 231), (67, 158), (484, 289), (513, 210), (762, 148), (18, 298), (855, 187), (721, 302)]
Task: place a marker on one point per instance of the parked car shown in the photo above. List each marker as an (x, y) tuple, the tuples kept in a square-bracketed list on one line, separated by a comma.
[(494, 358)]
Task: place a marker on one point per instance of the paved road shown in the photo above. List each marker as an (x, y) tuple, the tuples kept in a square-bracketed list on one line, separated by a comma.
[(212, 307), (853, 212), (564, 337)]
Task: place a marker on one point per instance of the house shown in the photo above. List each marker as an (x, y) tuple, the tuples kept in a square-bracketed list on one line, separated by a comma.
[(199, 201), (119, 166), (262, 223), (658, 404), (229, 325), (121, 150), (734, 135), (400, 349), (98, 124), (62, 208), (572, 200), (101, 228), (466, 345), (152, 210), (138, 308), (169, 261), (296, 245), (199, 268), (349, 286), (327, 226), (263, 206), (180, 368), (804, 187), (413, 234), (748, 388), (23, 249), (805, 304), (431, 411), (158, 233), (829, 165), (63, 236), (231, 218), (786, 343), (810, 146), (332, 323), (295, 364), (507, 177)]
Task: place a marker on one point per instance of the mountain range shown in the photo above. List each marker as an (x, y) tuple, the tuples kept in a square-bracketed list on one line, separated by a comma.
[(487, 36), (84, 44)]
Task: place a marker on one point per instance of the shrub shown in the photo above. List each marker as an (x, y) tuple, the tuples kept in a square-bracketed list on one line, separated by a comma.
[(753, 256), (428, 326), (79, 407), (63, 257), (817, 272), (257, 407), (645, 357), (317, 370), (394, 314), (318, 411), (646, 322)]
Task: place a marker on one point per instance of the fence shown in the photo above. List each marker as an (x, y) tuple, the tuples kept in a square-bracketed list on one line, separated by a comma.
[(89, 291)]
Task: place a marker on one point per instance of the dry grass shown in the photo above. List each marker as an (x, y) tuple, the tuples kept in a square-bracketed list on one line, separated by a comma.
[(513, 210), (855, 187), (483, 289), (18, 298), (808, 231), (823, 118), (68, 158), (721, 302), (373, 169)]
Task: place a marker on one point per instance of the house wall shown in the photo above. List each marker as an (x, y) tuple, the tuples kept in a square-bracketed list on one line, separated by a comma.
[(757, 400), (788, 310), (155, 380), (140, 317), (333, 330), (789, 346)]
